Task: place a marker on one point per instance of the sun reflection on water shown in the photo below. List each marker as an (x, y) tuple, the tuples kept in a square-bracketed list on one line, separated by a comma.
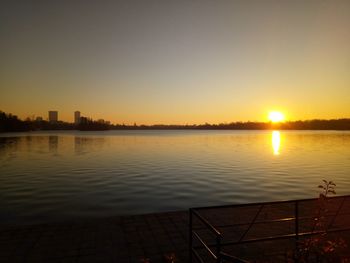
[(276, 142)]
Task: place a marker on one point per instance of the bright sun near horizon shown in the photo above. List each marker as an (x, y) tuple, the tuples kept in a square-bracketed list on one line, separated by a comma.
[(276, 116)]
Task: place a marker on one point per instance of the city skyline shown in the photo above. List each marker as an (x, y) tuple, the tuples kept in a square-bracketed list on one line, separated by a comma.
[(176, 62), (274, 118), (69, 117)]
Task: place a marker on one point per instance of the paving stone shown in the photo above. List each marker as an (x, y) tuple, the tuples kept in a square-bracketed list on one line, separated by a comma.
[(131, 238)]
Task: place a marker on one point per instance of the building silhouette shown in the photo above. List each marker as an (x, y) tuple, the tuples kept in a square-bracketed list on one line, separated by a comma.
[(77, 117), (53, 116)]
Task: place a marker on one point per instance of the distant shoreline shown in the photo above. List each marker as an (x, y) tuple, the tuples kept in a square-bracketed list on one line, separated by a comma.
[(10, 123), (171, 129)]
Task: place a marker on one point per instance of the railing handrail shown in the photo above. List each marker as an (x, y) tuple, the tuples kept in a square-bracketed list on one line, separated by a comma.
[(265, 203), (285, 219), (276, 237)]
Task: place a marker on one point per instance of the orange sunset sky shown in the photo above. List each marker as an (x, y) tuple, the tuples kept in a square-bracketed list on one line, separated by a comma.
[(175, 62)]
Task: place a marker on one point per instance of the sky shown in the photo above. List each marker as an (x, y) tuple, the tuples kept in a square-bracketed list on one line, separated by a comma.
[(175, 62)]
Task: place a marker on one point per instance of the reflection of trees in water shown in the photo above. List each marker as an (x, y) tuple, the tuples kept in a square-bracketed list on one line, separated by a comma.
[(8, 146), (8, 143), (321, 140), (28, 142), (53, 143), (84, 145), (38, 143)]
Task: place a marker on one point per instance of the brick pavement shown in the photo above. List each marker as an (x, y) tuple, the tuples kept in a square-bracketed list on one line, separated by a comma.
[(149, 238), (120, 239)]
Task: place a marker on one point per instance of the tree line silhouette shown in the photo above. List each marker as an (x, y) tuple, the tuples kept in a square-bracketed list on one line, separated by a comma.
[(11, 123), (88, 124)]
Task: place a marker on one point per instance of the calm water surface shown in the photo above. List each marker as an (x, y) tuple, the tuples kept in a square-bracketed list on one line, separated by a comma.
[(54, 176)]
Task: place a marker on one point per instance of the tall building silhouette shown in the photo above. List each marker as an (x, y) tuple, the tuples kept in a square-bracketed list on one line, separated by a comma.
[(53, 116), (76, 117)]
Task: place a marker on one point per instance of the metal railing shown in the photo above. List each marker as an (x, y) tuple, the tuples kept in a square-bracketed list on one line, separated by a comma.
[(215, 249)]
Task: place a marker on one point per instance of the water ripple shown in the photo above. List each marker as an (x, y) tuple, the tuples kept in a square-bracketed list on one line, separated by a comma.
[(50, 177)]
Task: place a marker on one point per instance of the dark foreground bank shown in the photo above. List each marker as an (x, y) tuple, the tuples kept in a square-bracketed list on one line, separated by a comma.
[(164, 237)]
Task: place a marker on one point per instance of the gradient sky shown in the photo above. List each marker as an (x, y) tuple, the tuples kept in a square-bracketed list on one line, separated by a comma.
[(175, 62)]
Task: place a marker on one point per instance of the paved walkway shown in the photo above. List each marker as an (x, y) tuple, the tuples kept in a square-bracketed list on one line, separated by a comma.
[(163, 237), (142, 238)]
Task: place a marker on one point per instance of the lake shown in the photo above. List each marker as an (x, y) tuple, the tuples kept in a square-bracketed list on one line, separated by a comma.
[(64, 175)]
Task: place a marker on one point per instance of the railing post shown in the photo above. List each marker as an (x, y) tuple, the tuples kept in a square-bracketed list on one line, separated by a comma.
[(190, 236), (218, 248)]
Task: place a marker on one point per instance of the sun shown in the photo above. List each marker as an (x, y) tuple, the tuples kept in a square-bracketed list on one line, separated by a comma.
[(276, 116)]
